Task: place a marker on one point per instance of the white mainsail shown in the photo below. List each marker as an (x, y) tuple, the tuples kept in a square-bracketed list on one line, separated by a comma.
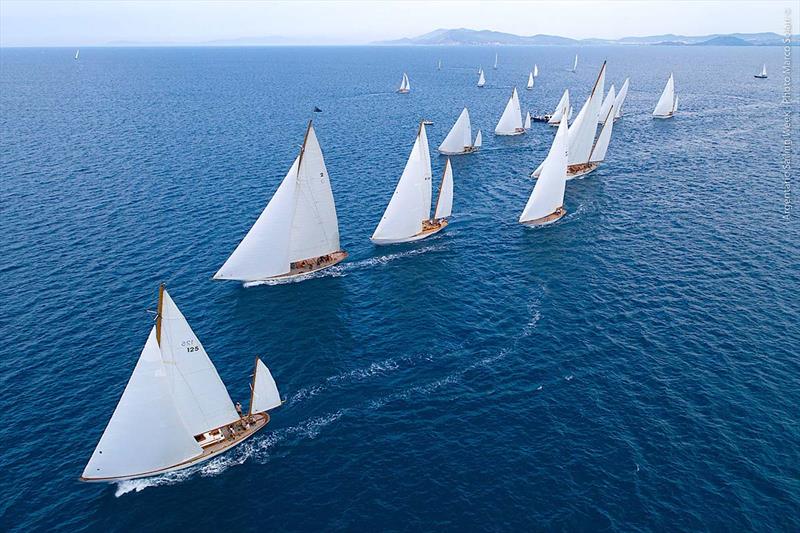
[(601, 145), (78, 52), (623, 92), (583, 129), (481, 79), (763, 70), (299, 221), (666, 103), (527, 124), (495, 61), (607, 103), (530, 81), (561, 109), (444, 205), (405, 85), (535, 71), (411, 201), (439, 66), (459, 139), (575, 64), (548, 193), (510, 122), (146, 432), (264, 392), (478, 140)]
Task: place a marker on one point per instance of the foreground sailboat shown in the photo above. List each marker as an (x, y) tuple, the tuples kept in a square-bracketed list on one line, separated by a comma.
[(763, 74), (481, 78), (175, 411), (668, 103), (623, 92), (298, 231), (546, 203), (408, 216), (582, 156), (459, 139), (510, 122), (405, 85), (530, 81)]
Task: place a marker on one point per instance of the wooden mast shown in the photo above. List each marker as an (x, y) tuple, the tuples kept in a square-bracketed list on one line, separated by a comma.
[(158, 313), (303, 148), (253, 387)]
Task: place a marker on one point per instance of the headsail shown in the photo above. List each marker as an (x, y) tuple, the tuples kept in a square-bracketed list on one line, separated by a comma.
[(548, 193), (582, 132), (623, 92), (263, 391), (561, 109), (444, 205), (666, 103), (527, 124), (511, 120), (535, 71), (530, 81), (607, 103), (478, 140), (601, 146), (460, 136)]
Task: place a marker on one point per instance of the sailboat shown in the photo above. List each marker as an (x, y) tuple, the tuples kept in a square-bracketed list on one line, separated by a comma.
[(763, 74), (575, 64), (459, 139), (77, 53), (611, 97), (481, 78), (530, 81), (623, 92), (535, 71), (668, 103), (511, 121), (555, 117), (439, 66), (405, 86), (527, 124), (582, 132), (408, 216), (495, 61), (175, 411), (546, 203), (298, 231)]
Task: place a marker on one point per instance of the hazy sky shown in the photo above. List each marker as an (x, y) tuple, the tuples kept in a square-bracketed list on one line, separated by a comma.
[(82, 23)]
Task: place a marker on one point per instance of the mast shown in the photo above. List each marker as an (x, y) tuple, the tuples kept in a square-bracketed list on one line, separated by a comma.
[(159, 312), (253, 387), (303, 147)]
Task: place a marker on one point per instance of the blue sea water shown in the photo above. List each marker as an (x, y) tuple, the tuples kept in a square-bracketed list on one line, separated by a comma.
[(633, 367)]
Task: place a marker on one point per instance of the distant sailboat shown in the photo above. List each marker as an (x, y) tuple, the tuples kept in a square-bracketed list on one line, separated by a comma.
[(611, 97), (478, 140), (668, 103), (405, 85), (582, 132), (495, 61), (511, 121), (575, 64), (439, 66), (527, 124), (763, 74), (562, 110), (459, 139), (481, 78), (77, 53), (298, 231), (530, 81), (546, 203), (535, 71), (408, 216), (623, 92), (175, 411)]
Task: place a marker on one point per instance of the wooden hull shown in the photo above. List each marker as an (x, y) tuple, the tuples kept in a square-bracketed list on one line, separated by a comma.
[(576, 171), (441, 224), (260, 420), (310, 266), (545, 220)]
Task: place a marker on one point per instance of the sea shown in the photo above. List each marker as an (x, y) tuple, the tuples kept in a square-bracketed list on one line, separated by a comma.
[(632, 367)]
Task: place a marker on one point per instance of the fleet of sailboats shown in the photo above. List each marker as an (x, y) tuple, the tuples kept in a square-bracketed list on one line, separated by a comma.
[(298, 231), (762, 74), (175, 412), (510, 122), (405, 85), (408, 216), (546, 203), (459, 139), (668, 102)]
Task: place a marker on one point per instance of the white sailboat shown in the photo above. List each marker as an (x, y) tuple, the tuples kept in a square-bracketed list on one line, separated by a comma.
[(77, 53), (582, 132), (439, 66), (763, 74), (175, 411), (562, 110), (535, 71), (405, 85), (459, 139), (575, 64), (668, 102), (510, 122), (478, 140), (530, 81), (481, 78), (408, 216), (298, 231), (609, 100), (527, 123), (546, 203), (495, 61), (623, 92)]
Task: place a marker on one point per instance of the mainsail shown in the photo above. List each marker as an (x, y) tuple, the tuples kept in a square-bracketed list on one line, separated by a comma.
[(510, 122), (583, 129), (575, 65), (481, 79), (444, 205), (478, 140), (530, 81), (548, 193), (535, 71), (495, 61), (405, 85), (623, 92), (459, 139), (527, 124), (666, 103)]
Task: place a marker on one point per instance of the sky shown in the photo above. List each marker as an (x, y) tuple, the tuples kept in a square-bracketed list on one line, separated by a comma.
[(97, 23)]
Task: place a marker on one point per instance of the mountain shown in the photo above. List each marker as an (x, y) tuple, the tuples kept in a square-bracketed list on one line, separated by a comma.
[(465, 36)]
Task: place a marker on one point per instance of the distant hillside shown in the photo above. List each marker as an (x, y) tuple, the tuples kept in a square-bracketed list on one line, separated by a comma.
[(465, 36)]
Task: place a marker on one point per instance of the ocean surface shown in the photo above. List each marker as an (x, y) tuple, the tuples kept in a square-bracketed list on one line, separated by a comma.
[(634, 367)]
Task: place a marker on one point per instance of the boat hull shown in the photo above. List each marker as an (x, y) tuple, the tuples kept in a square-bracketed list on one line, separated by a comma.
[(545, 220), (576, 171), (518, 131), (759, 77), (309, 268), (260, 420), (403, 91), (467, 150), (441, 224), (662, 117)]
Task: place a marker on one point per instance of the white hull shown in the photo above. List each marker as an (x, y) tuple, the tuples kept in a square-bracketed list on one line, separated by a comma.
[(413, 238), (519, 131), (662, 117), (465, 152), (293, 275), (555, 216)]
